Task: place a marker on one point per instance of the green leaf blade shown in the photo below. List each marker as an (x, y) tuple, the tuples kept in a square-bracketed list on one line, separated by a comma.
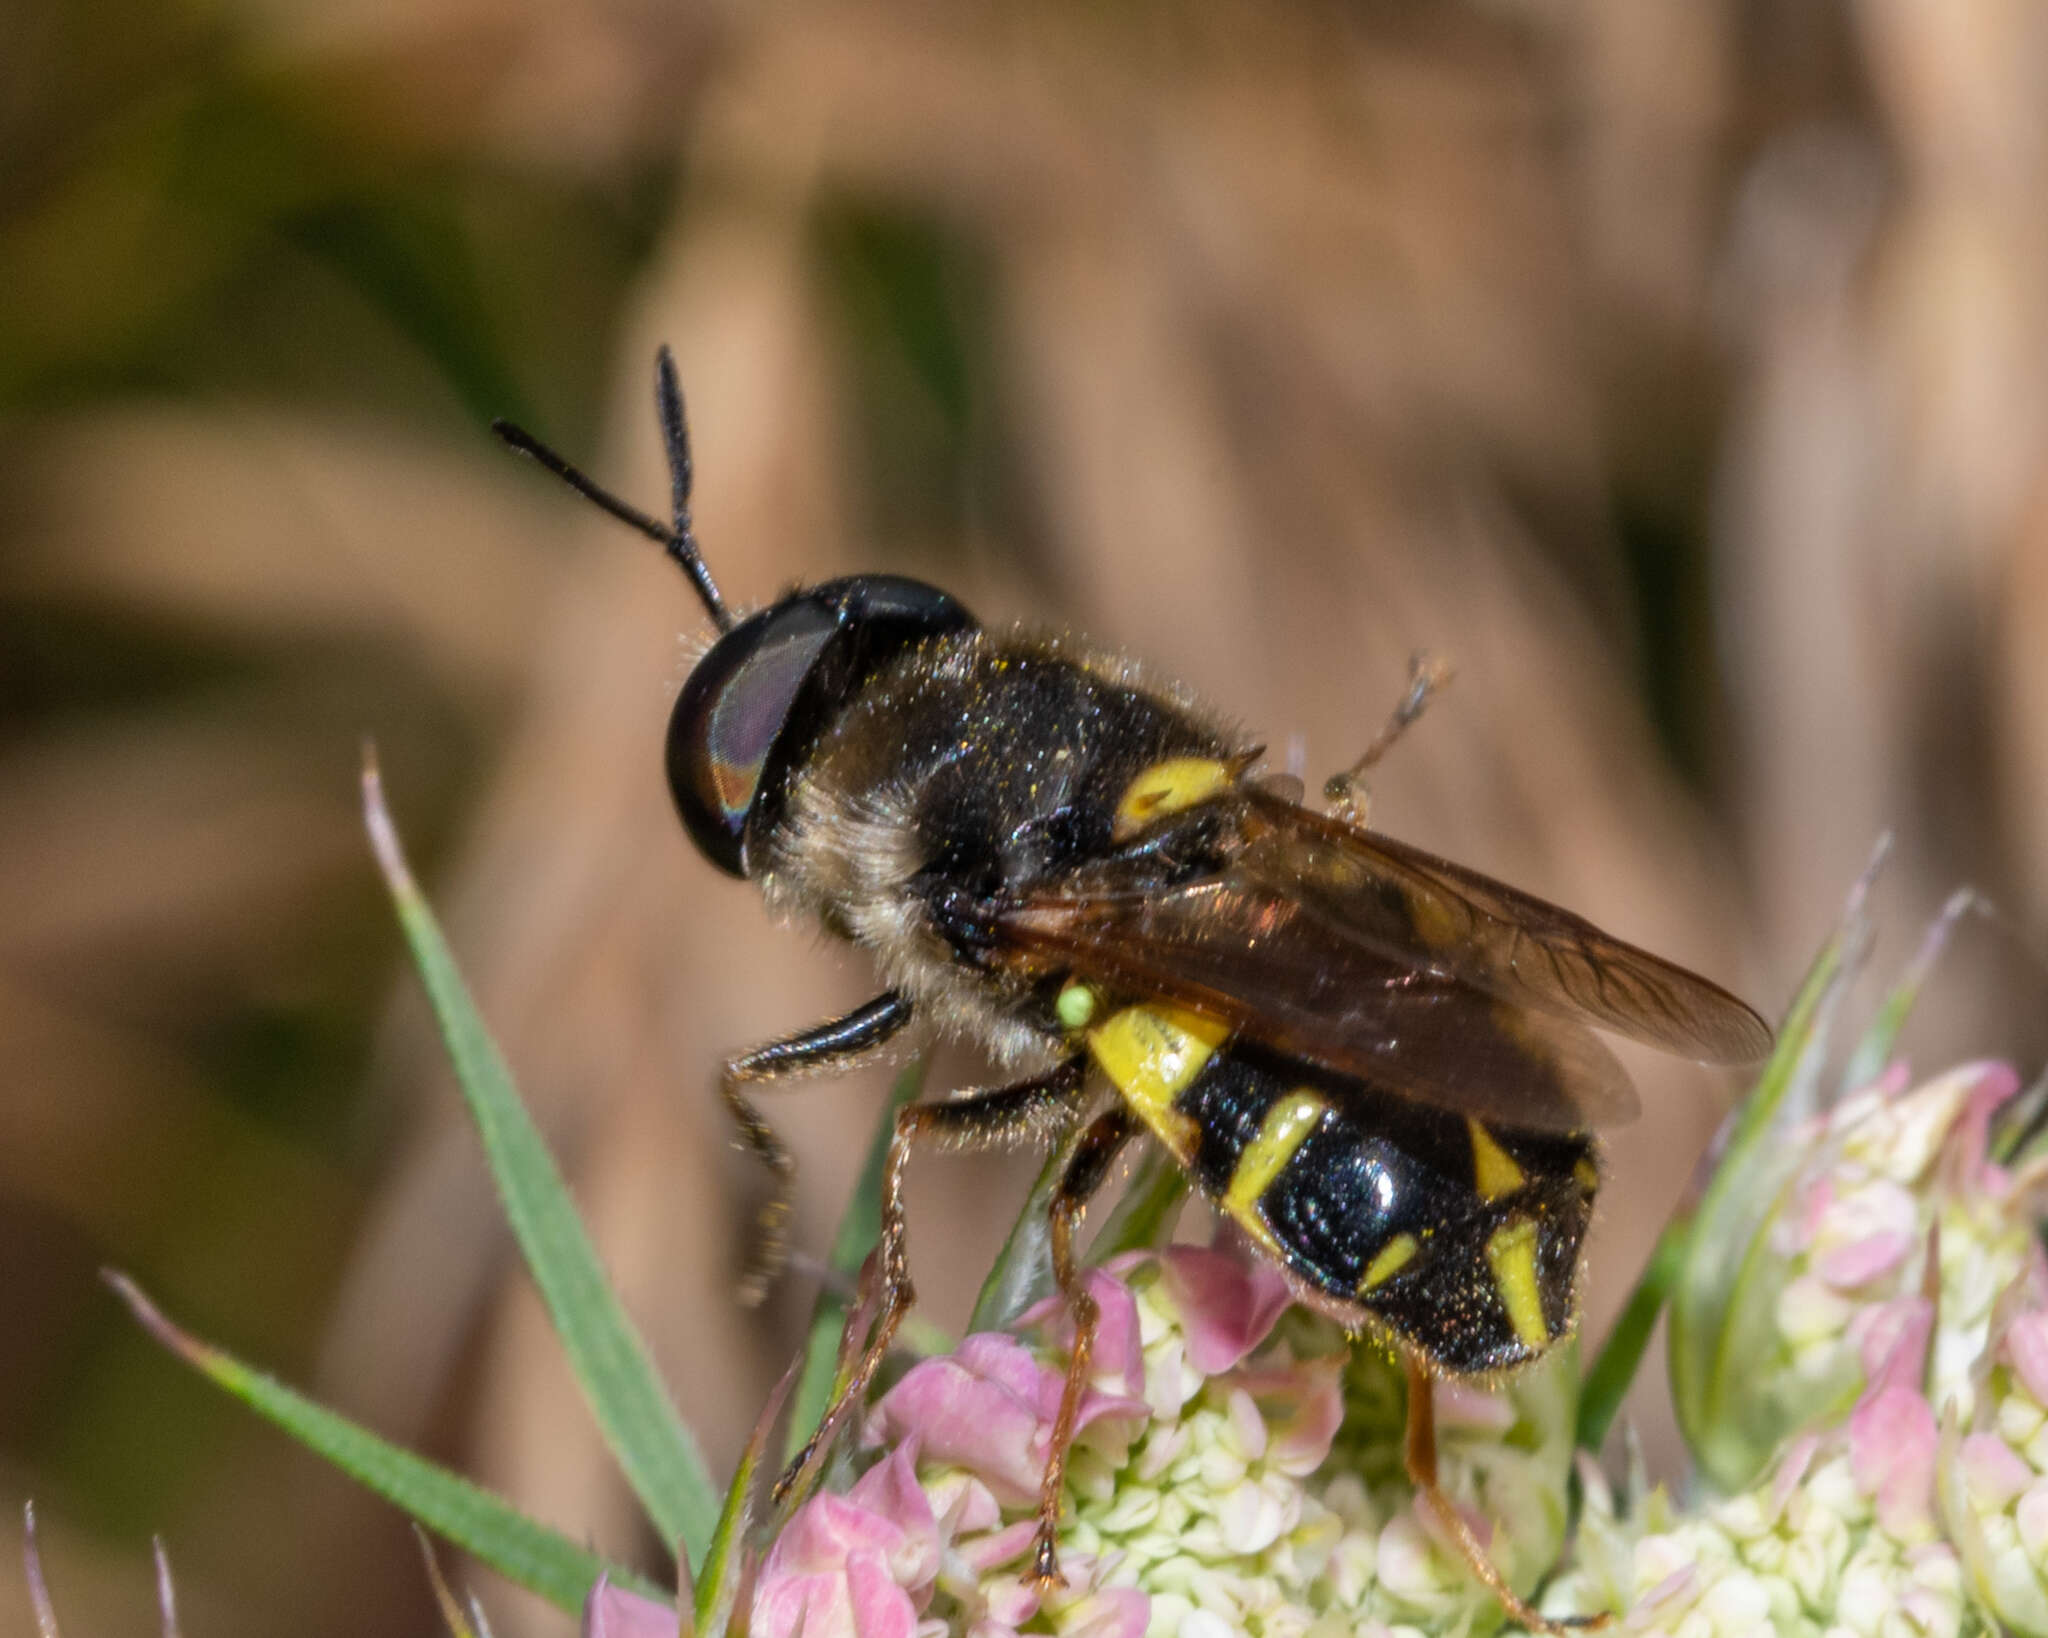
[(657, 1453), (1621, 1355), (723, 1585), (1022, 1274), (1721, 1334), (1881, 1038), (517, 1547), (1144, 1218)]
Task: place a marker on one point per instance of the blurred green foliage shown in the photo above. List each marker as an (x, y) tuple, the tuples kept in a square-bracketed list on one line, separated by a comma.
[(185, 222)]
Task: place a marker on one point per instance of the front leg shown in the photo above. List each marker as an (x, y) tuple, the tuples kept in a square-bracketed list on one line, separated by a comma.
[(835, 1044)]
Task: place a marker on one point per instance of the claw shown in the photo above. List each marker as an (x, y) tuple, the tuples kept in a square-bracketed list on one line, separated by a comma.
[(791, 1475), (1045, 1566), (769, 1256)]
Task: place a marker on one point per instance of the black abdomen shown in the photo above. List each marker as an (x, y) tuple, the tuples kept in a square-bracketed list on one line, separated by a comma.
[(1459, 1237)]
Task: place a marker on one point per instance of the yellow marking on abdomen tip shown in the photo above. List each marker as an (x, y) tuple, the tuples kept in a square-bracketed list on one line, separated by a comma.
[(1494, 1172), (1391, 1258), (1150, 1055), (1511, 1254), (1166, 787), (1587, 1173), (1284, 1130)]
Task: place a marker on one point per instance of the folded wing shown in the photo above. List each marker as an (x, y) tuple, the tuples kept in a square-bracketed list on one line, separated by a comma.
[(1382, 961)]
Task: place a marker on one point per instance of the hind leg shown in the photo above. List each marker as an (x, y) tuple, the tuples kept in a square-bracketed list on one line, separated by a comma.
[(1087, 1168), (1420, 1452)]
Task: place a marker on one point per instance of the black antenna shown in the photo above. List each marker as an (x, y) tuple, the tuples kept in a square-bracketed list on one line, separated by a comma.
[(677, 539)]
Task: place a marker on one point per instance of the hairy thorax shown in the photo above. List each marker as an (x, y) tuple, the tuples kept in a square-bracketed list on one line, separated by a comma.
[(975, 771)]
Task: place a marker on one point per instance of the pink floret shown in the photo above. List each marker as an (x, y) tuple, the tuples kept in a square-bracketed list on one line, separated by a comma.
[(853, 1566), (1228, 1303), (613, 1612), (2026, 1345), (989, 1408), (1893, 1439)]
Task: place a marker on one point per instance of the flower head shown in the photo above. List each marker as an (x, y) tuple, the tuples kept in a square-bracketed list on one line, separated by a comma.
[(1202, 1495), (1841, 1534), (1908, 1343), (1994, 1462), (1892, 1176), (1884, 1210), (1239, 1468)]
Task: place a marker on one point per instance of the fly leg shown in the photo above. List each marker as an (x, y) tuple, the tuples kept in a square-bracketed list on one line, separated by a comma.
[(835, 1044), (1007, 1116), (1086, 1169), (1420, 1452), (1344, 791)]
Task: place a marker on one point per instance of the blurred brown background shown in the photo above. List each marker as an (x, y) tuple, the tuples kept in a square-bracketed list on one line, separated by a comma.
[(1673, 366)]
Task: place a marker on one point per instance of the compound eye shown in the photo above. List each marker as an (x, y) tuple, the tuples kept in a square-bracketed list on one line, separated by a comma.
[(729, 716)]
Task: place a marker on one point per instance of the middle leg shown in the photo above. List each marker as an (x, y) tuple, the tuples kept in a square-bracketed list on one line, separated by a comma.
[(1345, 791), (1008, 1116)]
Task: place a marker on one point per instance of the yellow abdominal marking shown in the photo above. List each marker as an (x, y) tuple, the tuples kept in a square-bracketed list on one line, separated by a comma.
[(1511, 1254), (1284, 1130), (1150, 1054), (1587, 1174), (1391, 1258), (1494, 1172), (1167, 787)]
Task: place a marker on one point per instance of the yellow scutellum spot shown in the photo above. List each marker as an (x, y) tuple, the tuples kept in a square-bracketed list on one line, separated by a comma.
[(1587, 1173), (1284, 1130), (1494, 1172), (1511, 1254), (1167, 787), (1076, 1006), (1150, 1054), (1391, 1258)]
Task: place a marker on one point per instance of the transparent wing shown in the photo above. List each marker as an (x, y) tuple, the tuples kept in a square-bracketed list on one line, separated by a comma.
[(1376, 959)]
